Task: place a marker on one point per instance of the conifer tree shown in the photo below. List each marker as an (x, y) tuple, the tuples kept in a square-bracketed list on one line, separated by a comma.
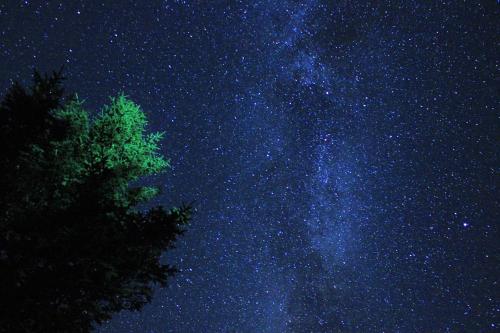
[(74, 247)]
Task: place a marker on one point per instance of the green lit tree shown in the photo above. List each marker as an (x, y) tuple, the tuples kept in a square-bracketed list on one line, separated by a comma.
[(74, 247)]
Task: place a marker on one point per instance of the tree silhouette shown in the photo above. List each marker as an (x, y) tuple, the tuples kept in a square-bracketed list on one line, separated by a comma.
[(74, 247)]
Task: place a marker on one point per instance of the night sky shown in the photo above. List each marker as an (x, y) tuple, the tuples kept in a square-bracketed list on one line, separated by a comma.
[(342, 155)]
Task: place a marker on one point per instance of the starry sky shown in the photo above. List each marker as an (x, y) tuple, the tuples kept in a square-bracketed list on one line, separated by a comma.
[(342, 155)]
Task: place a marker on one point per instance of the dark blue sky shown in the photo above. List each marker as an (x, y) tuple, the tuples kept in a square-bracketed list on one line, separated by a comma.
[(342, 154)]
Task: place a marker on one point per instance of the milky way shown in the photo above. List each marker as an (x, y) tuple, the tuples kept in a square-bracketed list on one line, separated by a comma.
[(341, 154)]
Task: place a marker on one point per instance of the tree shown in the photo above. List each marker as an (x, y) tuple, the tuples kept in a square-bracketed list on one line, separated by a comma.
[(74, 246)]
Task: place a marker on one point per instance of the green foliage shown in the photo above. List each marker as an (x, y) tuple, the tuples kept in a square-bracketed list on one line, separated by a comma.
[(118, 143), (74, 248), (118, 140)]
